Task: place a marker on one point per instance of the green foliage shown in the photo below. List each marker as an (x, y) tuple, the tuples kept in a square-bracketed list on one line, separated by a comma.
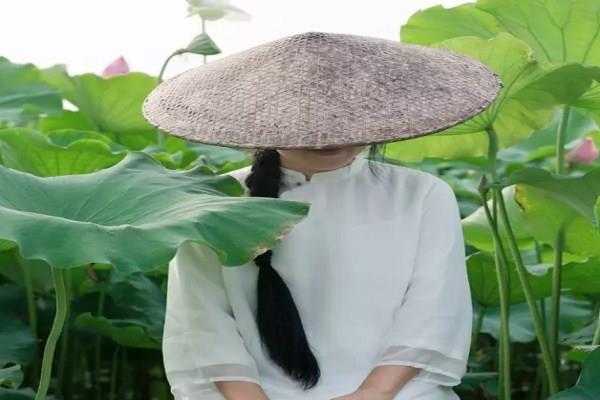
[(148, 204), (547, 54), (588, 386), (17, 341), (24, 95), (85, 189), (109, 104), (525, 104)]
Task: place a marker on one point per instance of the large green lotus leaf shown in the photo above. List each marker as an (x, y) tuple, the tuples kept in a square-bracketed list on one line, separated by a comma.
[(183, 154), (477, 231), (23, 94), (582, 277), (137, 313), (578, 278), (65, 152), (20, 394), (112, 104), (18, 341), (135, 214), (589, 102), (224, 159), (124, 332), (525, 103), (203, 44), (588, 384), (179, 160), (40, 275), (578, 192), (11, 377), (544, 215), (574, 314), (141, 299), (436, 24), (484, 285), (579, 339), (542, 143), (556, 30), (7, 244), (66, 120), (521, 327), (219, 155), (139, 141)]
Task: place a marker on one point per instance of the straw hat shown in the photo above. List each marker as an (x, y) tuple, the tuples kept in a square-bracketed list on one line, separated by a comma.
[(319, 90)]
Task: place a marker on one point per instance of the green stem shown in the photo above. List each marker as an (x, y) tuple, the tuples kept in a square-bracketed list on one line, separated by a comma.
[(31, 308), (164, 66), (160, 136), (203, 31), (57, 325), (502, 275), (478, 325), (555, 305), (561, 136), (125, 381), (503, 292), (64, 340), (558, 249), (98, 358), (596, 339), (113, 374), (535, 313)]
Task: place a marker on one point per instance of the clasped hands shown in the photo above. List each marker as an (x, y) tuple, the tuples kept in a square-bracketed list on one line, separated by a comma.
[(364, 394), (382, 383)]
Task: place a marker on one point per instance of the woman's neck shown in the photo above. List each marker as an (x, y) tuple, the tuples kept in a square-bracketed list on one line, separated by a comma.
[(308, 173), (290, 165)]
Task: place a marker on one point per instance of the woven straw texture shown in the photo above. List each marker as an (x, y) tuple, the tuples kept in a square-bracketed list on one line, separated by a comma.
[(320, 90)]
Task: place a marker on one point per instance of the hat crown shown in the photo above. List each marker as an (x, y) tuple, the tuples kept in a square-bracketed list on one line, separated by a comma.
[(322, 89)]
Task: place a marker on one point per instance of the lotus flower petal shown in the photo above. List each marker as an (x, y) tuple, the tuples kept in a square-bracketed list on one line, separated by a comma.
[(585, 152), (119, 66)]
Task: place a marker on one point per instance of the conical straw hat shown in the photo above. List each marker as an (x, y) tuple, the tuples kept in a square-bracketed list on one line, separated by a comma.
[(318, 90)]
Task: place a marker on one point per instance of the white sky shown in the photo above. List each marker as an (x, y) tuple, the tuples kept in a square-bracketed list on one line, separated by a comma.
[(86, 35)]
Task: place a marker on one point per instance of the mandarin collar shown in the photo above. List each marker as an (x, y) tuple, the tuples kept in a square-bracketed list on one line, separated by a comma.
[(292, 178)]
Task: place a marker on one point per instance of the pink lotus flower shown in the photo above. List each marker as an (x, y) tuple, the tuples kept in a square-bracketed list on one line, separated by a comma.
[(119, 66), (585, 152)]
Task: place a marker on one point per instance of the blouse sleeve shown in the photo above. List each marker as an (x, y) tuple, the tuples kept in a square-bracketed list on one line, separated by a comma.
[(201, 343), (431, 329)]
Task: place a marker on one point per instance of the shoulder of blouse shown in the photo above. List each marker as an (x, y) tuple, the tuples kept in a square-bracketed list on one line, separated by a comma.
[(396, 175), (416, 180)]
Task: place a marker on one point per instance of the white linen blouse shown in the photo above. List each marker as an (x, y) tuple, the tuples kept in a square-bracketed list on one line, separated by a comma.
[(377, 271)]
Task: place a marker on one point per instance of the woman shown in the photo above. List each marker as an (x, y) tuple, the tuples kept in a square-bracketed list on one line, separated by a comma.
[(365, 298)]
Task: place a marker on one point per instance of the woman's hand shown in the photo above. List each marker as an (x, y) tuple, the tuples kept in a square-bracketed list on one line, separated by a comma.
[(383, 383), (241, 390), (364, 394)]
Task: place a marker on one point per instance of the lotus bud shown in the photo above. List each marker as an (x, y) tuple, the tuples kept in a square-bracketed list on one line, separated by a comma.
[(119, 66), (585, 152)]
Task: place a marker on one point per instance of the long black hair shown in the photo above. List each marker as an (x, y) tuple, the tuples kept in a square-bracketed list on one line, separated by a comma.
[(278, 320)]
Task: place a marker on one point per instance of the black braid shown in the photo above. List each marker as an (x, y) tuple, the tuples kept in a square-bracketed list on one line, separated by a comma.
[(278, 320)]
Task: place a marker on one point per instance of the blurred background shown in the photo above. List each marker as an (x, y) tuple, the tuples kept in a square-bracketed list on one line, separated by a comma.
[(86, 35), (73, 76)]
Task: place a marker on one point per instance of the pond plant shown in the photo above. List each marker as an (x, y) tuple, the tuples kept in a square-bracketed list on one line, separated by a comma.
[(94, 203)]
